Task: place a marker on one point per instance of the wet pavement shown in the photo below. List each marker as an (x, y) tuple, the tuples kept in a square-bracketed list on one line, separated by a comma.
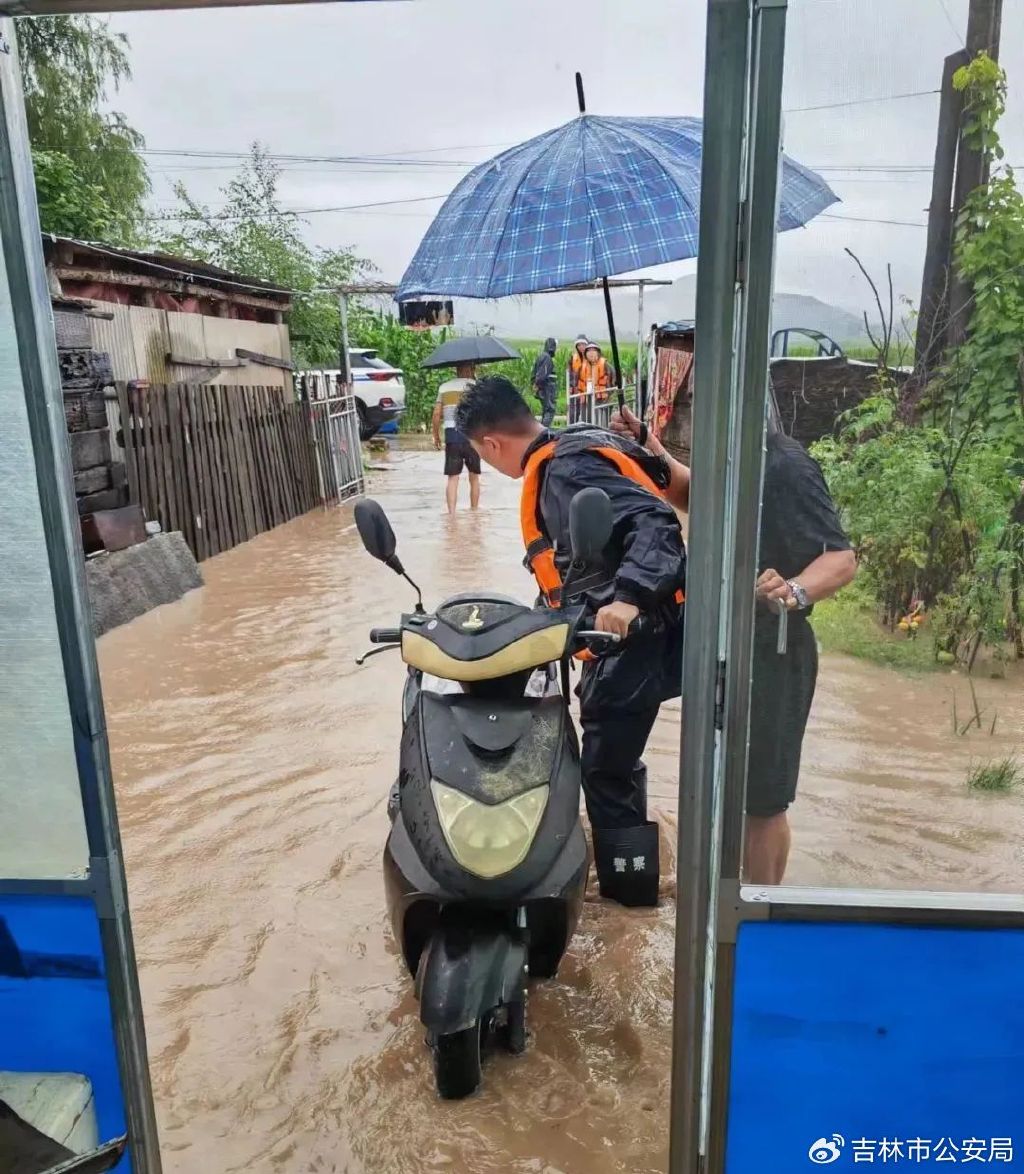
[(252, 762)]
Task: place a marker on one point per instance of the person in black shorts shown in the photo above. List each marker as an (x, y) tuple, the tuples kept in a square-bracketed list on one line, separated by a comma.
[(803, 558), (458, 452)]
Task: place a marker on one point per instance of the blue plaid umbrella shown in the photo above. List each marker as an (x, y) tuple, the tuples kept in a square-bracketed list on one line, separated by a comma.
[(595, 197)]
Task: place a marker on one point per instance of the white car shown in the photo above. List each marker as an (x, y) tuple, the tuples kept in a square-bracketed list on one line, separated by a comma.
[(379, 390)]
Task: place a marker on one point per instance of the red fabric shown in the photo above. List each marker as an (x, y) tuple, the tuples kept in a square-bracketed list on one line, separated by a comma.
[(673, 375), (95, 292), (126, 295)]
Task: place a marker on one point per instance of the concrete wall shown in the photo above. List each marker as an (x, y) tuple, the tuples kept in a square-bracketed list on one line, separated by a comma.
[(812, 394), (128, 583)]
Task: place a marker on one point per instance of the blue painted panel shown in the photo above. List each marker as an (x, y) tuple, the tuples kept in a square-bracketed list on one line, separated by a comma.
[(897, 1033), (63, 1023)]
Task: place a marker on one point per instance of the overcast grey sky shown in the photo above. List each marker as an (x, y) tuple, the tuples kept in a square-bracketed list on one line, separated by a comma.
[(450, 82)]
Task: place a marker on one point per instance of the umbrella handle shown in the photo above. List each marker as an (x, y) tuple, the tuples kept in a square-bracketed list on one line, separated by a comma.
[(614, 341)]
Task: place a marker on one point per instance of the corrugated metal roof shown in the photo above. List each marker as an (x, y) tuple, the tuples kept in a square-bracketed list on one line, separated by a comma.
[(163, 263)]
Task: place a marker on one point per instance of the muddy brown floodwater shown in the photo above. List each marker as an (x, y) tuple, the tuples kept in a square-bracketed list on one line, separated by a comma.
[(253, 761)]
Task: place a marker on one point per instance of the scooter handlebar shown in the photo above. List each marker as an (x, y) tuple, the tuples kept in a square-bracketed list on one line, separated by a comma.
[(385, 635), (606, 641), (643, 625), (599, 641)]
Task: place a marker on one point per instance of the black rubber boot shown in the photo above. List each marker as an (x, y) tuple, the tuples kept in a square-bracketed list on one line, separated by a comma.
[(627, 864)]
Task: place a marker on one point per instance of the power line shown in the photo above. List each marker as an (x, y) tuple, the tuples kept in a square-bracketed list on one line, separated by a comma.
[(844, 179), (880, 168), (395, 160), (887, 169), (861, 101), (952, 23), (305, 211), (338, 160), (289, 169), (873, 220)]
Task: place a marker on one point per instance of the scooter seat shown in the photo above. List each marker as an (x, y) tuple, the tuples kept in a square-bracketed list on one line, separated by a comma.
[(483, 640)]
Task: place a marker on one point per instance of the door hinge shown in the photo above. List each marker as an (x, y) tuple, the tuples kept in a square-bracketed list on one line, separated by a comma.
[(741, 243), (720, 695), (107, 878)]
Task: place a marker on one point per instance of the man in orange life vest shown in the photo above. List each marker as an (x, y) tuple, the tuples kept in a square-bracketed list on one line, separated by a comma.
[(643, 574)]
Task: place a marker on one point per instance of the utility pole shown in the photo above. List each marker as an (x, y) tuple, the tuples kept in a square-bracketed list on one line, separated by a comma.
[(959, 170), (933, 314), (984, 24)]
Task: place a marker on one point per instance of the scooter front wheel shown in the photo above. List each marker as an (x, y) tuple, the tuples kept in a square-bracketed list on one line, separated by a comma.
[(457, 1068)]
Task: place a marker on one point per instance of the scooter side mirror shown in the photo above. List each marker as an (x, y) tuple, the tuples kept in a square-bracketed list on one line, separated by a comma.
[(590, 524), (376, 533)]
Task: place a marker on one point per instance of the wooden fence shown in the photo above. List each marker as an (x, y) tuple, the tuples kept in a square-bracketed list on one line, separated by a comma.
[(220, 464)]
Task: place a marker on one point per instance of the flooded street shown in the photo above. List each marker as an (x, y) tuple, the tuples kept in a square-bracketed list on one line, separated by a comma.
[(253, 761)]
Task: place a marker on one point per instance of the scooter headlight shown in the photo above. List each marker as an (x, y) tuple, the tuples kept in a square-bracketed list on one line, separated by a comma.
[(489, 840)]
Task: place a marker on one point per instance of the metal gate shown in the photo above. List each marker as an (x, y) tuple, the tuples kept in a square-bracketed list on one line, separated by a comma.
[(335, 424), (591, 407)]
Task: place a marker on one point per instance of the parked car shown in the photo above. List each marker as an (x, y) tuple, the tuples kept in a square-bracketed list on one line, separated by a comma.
[(379, 390), (804, 338)]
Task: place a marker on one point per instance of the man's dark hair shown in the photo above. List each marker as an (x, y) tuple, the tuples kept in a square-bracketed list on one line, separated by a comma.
[(493, 403)]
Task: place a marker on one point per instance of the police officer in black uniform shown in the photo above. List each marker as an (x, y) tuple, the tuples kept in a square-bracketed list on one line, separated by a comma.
[(644, 576)]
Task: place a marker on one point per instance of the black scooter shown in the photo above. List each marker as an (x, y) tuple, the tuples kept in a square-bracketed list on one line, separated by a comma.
[(486, 863)]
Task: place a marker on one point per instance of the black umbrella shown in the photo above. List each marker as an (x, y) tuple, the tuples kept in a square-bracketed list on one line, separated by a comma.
[(480, 348)]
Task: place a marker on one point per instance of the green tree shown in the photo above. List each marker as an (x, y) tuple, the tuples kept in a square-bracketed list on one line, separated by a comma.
[(989, 367), (253, 235), (990, 258), (68, 203), (69, 65), (935, 503)]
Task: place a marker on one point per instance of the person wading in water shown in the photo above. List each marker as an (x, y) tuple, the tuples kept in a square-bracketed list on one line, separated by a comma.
[(458, 452), (643, 574)]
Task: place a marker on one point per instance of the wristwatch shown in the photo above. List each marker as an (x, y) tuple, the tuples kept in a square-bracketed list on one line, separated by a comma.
[(799, 593)]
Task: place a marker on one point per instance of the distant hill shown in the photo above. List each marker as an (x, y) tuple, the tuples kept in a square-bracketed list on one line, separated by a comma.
[(678, 301), (564, 315), (559, 315)]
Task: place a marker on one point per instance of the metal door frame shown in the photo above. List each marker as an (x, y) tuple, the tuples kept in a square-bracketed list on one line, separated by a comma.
[(739, 201), (35, 346), (743, 90)]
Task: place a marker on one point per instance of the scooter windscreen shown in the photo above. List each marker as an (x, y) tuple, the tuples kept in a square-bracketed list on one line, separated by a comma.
[(483, 637)]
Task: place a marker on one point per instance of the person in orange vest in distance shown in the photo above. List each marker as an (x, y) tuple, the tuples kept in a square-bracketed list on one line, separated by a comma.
[(643, 573), (595, 374), (579, 357)]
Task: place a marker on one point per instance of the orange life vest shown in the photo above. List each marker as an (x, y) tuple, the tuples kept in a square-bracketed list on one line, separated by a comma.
[(575, 370), (599, 374), (540, 550)]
